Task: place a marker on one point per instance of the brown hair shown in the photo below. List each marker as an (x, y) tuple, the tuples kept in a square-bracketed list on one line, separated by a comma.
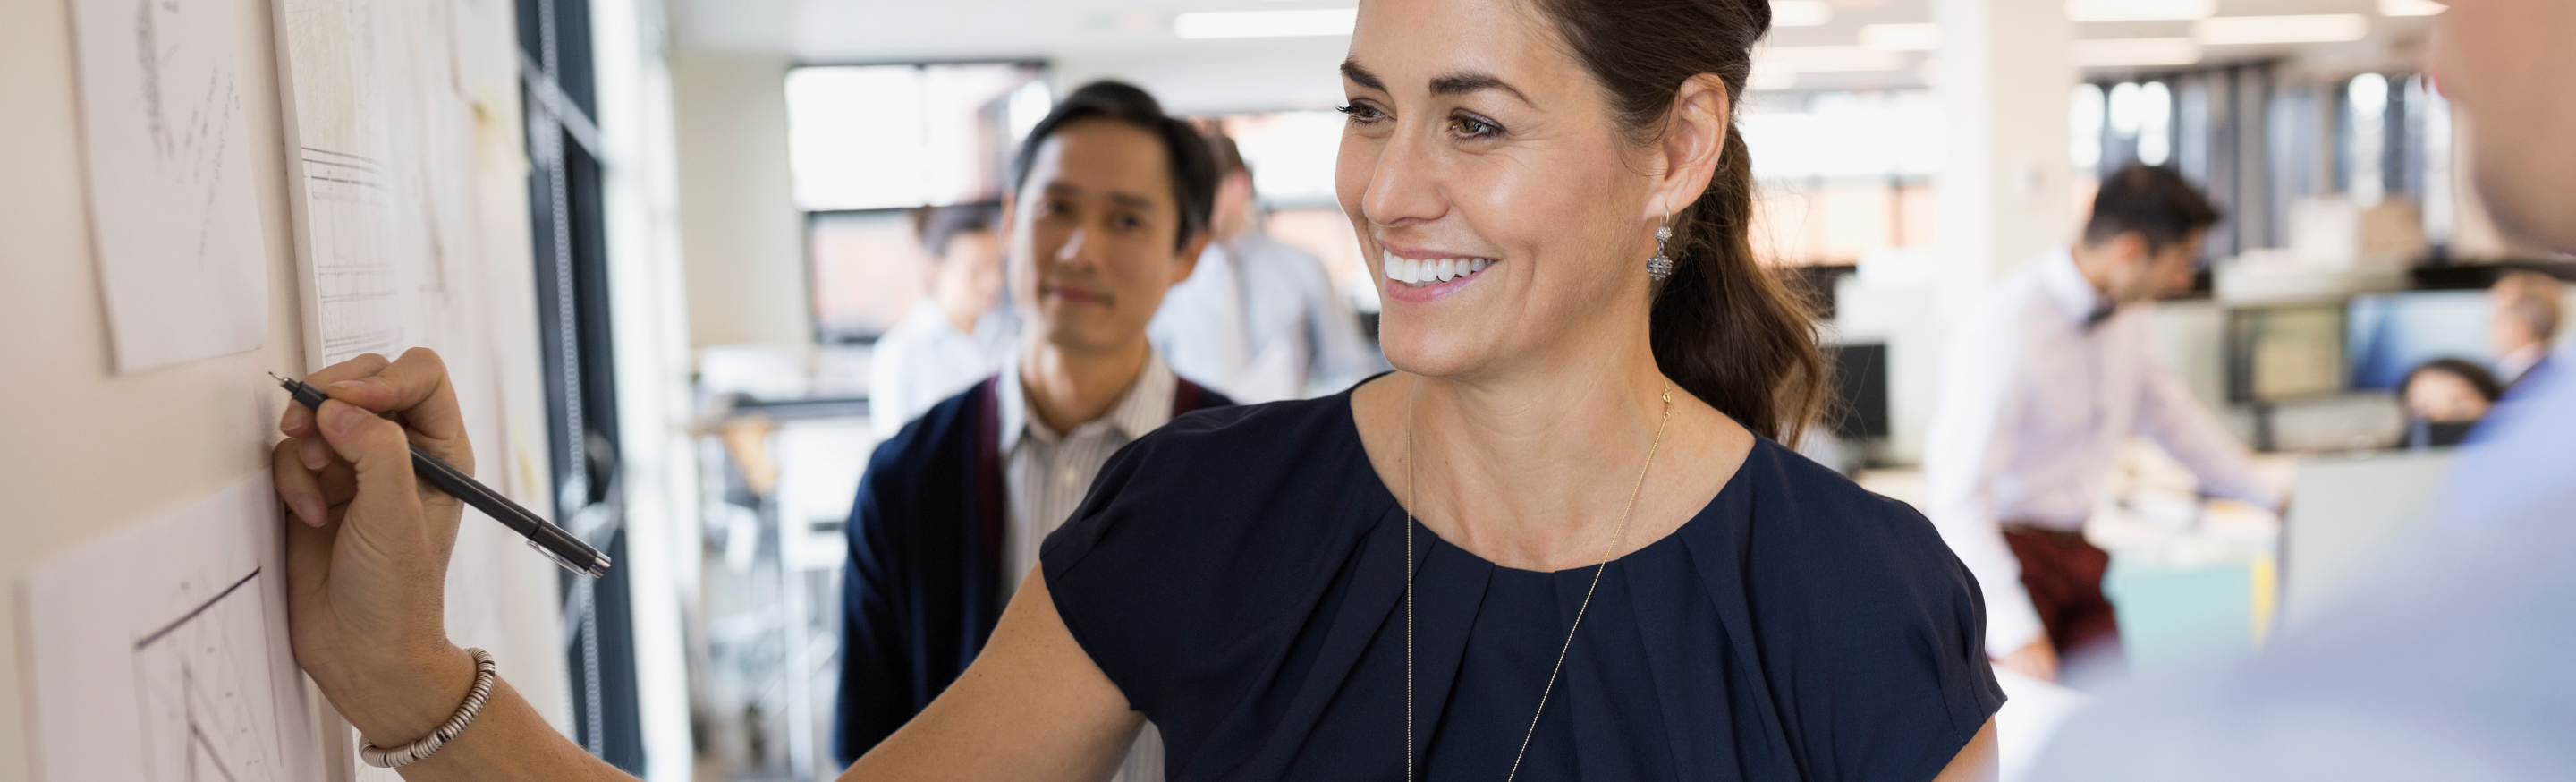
[(1724, 326)]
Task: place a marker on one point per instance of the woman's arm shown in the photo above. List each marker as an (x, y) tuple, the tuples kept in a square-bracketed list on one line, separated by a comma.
[(1975, 762), (1032, 707), (367, 566)]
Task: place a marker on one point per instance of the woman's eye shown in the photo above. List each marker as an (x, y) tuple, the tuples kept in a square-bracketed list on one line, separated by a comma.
[(1360, 113), (1473, 128)]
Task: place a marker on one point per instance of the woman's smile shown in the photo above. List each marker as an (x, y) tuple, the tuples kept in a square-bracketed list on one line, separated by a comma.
[(1427, 278)]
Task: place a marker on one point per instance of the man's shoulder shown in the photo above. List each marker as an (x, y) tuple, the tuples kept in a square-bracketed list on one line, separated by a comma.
[(947, 429)]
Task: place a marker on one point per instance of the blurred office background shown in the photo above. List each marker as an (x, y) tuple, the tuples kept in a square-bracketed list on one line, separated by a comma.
[(723, 191)]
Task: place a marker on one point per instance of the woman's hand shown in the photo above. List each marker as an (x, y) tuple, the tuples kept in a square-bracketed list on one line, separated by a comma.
[(367, 565)]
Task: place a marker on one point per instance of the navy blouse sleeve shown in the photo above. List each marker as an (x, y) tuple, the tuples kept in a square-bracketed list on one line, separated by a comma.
[(1181, 568), (1871, 631)]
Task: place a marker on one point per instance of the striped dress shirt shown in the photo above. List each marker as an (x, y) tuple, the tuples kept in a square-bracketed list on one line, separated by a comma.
[(1047, 474)]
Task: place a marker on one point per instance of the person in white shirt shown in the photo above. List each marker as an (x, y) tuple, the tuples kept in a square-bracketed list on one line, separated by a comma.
[(2044, 383), (958, 333), (1259, 320), (2527, 308)]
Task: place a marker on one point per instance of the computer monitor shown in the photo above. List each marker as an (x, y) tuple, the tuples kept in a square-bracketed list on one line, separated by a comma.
[(1859, 409), (2286, 352)]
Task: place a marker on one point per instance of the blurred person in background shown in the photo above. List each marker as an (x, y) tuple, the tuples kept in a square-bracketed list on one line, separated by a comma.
[(2444, 398), (958, 333), (1109, 210), (2451, 662), (1259, 320), (2527, 308), (2055, 371)]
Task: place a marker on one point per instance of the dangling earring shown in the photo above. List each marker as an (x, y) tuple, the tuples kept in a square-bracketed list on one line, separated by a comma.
[(1660, 267)]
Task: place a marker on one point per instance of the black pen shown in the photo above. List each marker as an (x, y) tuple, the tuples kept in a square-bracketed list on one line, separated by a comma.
[(546, 538)]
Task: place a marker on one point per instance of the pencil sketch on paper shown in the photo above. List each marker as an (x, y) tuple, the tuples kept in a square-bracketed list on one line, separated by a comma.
[(201, 682), (171, 210), (160, 652), (384, 200)]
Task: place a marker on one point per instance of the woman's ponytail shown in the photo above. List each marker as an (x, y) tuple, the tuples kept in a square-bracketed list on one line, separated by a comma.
[(1724, 326)]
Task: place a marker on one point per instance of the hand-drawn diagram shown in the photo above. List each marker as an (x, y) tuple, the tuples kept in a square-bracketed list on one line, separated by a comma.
[(383, 207), (203, 687), (171, 206), (160, 652)]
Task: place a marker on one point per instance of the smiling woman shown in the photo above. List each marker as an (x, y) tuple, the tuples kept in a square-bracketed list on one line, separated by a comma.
[(1561, 539)]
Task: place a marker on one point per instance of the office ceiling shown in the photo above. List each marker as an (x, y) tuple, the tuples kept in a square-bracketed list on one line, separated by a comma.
[(1098, 37)]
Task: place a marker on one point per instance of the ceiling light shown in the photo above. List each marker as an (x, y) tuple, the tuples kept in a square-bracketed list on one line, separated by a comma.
[(2410, 8), (1901, 37), (2139, 10), (1826, 59), (1801, 13), (2314, 28), (1265, 24), (2122, 52)]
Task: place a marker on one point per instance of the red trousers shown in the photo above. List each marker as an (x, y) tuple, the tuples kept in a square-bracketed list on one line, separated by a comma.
[(2064, 576)]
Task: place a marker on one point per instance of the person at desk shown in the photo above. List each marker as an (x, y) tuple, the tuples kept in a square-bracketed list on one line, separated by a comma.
[(2058, 368), (2525, 324), (1259, 320), (958, 333), (1108, 211), (2444, 398), (1562, 539)]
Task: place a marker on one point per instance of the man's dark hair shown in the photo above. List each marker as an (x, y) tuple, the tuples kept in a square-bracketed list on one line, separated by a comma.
[(1227, 156), (2486, 384), (2153, 201), (941, 225), (1193, 174)]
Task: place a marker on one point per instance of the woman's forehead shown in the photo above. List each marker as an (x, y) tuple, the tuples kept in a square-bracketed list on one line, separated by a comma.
[(1415, 44)]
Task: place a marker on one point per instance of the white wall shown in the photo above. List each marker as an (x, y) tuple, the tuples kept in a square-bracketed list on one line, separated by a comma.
[(85, 452), (742, 238)]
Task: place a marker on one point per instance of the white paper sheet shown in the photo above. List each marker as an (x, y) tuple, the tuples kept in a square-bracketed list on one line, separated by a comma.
[(180, 253), (161, 651)]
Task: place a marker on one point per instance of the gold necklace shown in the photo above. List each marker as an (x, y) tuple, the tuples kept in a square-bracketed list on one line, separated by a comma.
[(1616, 538)]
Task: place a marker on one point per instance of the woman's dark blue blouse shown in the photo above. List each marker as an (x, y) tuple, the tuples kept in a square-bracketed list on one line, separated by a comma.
[(1239, 575)]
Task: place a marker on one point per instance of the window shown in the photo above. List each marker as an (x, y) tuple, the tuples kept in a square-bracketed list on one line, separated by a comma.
[(900, 136), (867, 144)]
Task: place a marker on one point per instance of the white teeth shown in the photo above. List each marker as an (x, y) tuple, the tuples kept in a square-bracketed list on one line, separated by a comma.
[(1426, 271)]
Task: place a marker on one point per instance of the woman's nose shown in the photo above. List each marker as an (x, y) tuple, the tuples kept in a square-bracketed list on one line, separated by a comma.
[(1404, 187)]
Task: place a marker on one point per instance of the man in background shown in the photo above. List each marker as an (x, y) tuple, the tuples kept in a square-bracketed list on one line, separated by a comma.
[(1259, 320), (958, 333), (2451, 663), (2055, 371), (2526, 323), (1107, 209)]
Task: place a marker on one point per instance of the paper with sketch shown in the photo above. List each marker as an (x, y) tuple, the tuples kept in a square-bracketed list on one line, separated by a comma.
[(381, 186), (179, 248), (160, 652)]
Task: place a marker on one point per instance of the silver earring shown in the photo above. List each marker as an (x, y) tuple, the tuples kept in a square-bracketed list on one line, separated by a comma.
[(1660, 267)]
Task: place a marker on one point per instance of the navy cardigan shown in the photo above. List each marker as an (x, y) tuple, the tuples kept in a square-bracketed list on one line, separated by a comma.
[(923, 586)]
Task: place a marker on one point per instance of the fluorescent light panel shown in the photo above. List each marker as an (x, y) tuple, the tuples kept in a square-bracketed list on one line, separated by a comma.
[(2313, 28), (1825, 59), (2139, 10), (1901, 37), (1801, 13), (2122, 52), (1265, 24), (2410, 8)]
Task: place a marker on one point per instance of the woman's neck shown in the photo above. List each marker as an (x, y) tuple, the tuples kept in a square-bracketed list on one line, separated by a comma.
[(1533, 468), (1069, 388)]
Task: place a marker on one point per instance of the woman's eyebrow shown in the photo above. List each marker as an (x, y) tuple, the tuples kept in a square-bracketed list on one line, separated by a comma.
[(1351, 70), (1468, 82)]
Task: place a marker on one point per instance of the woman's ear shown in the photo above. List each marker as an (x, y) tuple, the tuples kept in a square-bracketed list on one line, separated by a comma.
[(1693, 142)]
